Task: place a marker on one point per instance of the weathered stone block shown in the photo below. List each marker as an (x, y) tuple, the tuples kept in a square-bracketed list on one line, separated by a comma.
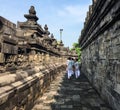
[(100, 43)]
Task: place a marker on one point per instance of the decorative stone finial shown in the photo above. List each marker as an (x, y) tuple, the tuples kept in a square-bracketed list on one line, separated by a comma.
[(31, 17), (52, 36), (46, 29), (32, 11), (61, 43)]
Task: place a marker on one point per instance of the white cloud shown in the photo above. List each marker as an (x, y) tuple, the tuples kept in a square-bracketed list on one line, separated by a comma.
[(78, 12)]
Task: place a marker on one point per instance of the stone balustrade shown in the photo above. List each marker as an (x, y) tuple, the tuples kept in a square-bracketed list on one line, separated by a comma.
[(19, 90), (28, 65)]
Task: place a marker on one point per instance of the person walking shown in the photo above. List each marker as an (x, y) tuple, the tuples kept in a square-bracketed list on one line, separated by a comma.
[(77, 68), (73, 66), (69, 68)]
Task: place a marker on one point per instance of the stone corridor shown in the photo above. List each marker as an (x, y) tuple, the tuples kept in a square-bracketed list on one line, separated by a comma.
[(74, 94)]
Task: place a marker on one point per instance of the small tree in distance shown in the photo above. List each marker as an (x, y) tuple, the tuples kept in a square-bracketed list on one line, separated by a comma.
[(76, 47)]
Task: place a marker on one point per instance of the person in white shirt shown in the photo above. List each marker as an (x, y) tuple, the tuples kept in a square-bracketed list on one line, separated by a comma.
[(77, 68), (69, 68), (72, 63)]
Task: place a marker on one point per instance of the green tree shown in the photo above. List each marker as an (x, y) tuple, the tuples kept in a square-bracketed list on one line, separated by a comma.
[(76, 47)]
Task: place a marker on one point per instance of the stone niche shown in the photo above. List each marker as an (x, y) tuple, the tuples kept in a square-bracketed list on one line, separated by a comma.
[(100, 45)]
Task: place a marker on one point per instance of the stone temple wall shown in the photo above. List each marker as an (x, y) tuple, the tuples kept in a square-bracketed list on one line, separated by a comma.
[(18, 91), (29, 60), (100, 44)]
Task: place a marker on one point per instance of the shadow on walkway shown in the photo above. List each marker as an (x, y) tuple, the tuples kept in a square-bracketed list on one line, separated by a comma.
[(73, 94)]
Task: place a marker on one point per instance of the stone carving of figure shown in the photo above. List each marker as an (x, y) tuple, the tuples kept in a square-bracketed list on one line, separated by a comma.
[(32, 11), (46, 29)]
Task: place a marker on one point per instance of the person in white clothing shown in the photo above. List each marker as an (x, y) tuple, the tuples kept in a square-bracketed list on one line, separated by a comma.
[(69, 68), (73, 67), (77, 68)]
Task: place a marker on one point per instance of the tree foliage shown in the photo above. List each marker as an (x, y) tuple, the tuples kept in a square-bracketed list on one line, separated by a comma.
[(76, 47)]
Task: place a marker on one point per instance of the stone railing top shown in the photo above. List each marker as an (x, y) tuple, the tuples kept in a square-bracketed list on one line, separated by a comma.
[(7, 23)]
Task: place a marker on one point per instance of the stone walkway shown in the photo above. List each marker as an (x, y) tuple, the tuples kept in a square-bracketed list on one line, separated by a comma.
[(74, 94)]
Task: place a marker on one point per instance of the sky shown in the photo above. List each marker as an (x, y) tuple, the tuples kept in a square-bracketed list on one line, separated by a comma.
[(68, 15)]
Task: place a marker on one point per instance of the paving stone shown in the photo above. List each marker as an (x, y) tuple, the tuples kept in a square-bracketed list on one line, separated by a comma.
[(73, 94), (84, 108), (76, 98), (66, 106)]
